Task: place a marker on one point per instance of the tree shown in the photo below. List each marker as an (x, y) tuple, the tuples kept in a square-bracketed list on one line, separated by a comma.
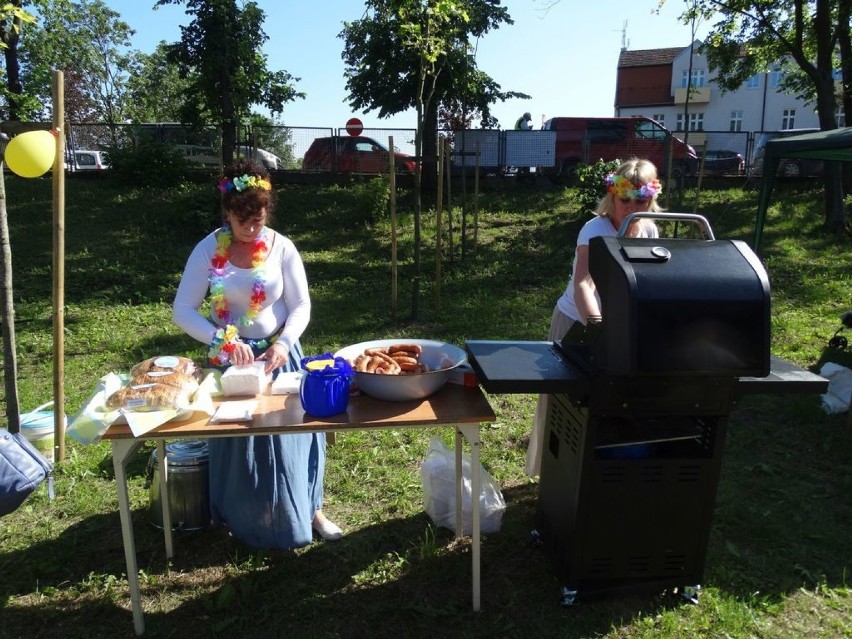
[(155, 88), (87, 41), (390, 83), (752, 36), (12, 18), (220, 55), (273, 136), (414, 54)]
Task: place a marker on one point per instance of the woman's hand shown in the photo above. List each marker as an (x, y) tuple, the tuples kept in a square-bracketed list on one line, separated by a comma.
[(241, 354), (275, 356)]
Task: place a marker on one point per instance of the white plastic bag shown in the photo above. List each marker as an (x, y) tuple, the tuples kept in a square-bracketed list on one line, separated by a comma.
[(438, 474), (837, 399)]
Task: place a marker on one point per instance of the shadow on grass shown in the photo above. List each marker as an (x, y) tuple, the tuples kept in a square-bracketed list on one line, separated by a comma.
[(783, 512), (780, 523), (396, 578)]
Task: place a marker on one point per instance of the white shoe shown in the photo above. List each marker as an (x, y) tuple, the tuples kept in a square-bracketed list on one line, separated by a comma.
[(328, 530)]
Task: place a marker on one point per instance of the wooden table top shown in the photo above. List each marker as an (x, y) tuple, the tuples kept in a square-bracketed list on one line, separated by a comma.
[(452, 404)]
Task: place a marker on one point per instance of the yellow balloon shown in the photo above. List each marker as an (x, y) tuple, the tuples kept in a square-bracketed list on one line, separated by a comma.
[(31, 154)]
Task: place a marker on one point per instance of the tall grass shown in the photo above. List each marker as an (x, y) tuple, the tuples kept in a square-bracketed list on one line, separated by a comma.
[(780, 547)]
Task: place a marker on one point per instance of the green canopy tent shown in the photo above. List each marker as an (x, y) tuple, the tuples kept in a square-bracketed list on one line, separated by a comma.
[(822, 145)]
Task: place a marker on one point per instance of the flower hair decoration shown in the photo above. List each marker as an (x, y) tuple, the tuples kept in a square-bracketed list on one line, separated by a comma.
[(624, 189), (243, 183)]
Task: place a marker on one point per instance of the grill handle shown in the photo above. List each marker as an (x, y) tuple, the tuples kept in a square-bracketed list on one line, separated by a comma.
[(683, 217)]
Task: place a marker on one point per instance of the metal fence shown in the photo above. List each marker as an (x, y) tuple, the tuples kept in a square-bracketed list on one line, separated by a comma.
[(289, 144)]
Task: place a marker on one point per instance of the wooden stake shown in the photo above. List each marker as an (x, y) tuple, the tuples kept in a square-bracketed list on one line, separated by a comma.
[(394, 265), (58, 86)]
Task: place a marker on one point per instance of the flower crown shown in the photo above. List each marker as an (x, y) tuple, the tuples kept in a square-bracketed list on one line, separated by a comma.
[(624, 189), (243, 183)]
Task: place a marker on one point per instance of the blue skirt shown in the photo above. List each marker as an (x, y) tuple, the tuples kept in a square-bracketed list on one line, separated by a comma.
[(266, 488)]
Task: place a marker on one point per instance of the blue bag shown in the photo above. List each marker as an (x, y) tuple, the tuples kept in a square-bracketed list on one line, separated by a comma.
[(22, 469)]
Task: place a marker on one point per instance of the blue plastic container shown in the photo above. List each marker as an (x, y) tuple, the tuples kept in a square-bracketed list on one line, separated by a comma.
[(324, 389)]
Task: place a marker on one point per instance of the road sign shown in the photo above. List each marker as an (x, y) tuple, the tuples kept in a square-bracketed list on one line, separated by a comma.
[(354, 126)]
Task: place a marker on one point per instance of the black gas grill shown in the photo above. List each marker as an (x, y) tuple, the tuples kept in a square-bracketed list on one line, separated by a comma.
[(639, 407)]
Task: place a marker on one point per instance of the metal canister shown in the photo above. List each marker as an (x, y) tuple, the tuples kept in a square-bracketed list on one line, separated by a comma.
[(189, 485)]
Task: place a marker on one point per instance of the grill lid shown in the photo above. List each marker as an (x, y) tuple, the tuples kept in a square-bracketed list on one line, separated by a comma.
[(675, 306)]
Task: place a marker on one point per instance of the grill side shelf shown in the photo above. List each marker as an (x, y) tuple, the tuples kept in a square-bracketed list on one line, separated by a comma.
[(525, 367), (784, 377)]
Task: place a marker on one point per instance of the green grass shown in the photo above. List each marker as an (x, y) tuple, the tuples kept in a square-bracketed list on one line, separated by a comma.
[(780, 546)]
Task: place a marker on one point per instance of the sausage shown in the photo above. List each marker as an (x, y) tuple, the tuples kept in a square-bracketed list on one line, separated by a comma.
[(409, 348)]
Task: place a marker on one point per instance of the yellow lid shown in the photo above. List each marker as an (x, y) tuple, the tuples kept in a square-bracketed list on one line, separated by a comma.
[(319, 364)]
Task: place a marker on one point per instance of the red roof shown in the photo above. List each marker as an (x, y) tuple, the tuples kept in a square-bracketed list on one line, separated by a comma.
[(648, 57)]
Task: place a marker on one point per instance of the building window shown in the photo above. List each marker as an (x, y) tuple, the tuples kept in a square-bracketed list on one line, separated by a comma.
[(788, 119), (775, 79), (697, 79), (696, 122), (736, 121), (753, 82), (839, 116), (659, 117)]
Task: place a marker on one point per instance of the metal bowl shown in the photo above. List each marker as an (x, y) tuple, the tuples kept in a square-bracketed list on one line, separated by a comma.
[(441, 357)]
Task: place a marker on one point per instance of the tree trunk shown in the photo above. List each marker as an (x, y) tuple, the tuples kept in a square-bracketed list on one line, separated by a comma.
[(13, 68), (10, 360), (430, 149), (418, 186), (823, 79)]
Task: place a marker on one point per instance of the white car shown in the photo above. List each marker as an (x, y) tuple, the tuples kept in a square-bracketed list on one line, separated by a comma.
[(85, 160), (208, 156), (271, 161)]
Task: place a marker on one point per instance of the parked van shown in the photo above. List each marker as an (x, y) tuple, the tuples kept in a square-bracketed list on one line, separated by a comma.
[(207, 156), (591, 139), (85, 160), (787, 167), (268, 159)]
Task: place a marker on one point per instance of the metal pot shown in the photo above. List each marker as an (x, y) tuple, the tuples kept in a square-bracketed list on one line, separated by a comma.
[(189, 491)]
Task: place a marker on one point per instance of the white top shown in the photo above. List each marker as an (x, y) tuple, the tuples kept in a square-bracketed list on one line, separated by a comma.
[(596, 227), (287, 299)]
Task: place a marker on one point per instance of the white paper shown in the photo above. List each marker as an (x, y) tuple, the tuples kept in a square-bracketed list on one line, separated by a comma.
[(144, 421), (287, 383), (238, 411)]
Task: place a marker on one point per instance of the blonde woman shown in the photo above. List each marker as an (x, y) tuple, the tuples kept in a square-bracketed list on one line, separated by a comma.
[(632, 188)]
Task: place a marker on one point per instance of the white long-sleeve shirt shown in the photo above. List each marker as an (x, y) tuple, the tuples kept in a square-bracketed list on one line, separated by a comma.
[(287, 300), (596, 227)]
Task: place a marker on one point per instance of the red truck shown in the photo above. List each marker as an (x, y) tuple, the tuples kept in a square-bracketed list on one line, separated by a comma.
[(591, 139)]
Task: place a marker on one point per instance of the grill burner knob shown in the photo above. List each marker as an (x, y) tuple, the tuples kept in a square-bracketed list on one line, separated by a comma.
[(661, 252)]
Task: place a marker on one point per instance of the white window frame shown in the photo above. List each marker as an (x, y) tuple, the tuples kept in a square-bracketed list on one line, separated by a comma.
[(788, 119), (696, 122), (736, 123), (697, 79), (753, 82)]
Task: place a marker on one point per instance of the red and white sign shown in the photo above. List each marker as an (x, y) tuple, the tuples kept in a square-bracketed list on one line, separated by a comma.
[(354, 126)]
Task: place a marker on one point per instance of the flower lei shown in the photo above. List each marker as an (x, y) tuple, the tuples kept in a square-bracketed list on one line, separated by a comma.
[(224, 340), (223, 344), (624, 189), (242, 183)]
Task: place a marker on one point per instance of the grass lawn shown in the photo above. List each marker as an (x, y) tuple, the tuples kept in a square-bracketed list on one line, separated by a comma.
[(780, 545)]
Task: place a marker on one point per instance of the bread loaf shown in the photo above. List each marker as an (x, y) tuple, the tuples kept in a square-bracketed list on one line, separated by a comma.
[(158, 383), (149, 396), (165, 363)]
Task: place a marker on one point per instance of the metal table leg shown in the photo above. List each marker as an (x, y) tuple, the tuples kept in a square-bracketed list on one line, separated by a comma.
[(121, 452), (471, 433)]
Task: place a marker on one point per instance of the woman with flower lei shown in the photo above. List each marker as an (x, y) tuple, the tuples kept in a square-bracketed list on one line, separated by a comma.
[(632, 188), (244, 294)]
